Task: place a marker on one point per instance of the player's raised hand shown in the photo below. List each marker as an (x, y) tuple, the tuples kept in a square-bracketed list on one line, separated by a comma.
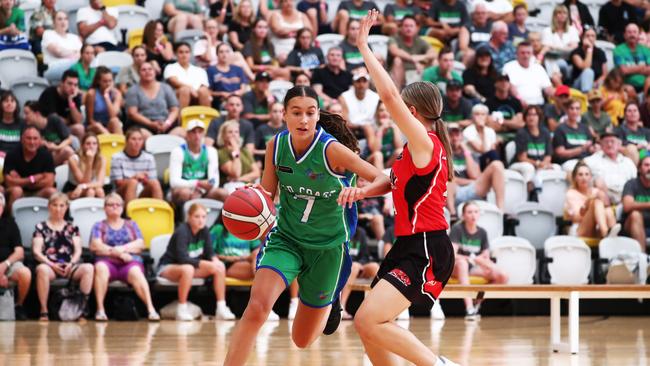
[(367, 23), (350, 195)]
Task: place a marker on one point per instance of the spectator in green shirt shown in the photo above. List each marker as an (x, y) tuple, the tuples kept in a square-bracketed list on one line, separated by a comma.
[(12, 26), (83, 68), (444, 72), (633, 59)]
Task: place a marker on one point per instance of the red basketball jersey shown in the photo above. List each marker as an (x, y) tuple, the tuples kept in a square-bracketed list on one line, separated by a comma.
[(420, 195)]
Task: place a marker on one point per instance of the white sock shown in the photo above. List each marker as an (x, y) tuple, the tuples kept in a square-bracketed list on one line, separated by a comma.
[(293, 301), (182, 307), (221, 305)]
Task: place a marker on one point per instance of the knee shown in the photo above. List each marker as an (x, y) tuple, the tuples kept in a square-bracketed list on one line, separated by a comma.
[(184, 91), (363, 324), (356, 267), (497, 165), (24, 275), (87, 270), (461, 265), (636, 217), (101, 271), (258, 310), (187, 270), (300, 340), (15, 192), (397, 62), (135, 275)]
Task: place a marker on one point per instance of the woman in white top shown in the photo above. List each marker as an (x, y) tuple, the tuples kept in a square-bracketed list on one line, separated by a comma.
[(285, 24), (205, 50), (60, 48), (481, 139), (87, 170), (560, 39)]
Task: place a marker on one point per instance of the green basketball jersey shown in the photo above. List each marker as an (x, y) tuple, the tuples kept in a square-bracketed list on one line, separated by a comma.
[(309, 214), (195, 168)]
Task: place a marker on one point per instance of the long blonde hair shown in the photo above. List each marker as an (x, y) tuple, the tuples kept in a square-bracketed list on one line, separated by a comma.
[(222, 131), (427, 100), (554, 24), (97, 160)]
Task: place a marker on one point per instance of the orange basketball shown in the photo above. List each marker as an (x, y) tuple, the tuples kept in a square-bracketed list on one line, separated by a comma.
[(248, 213)]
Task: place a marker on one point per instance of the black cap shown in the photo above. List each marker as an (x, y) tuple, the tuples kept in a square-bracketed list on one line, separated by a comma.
[(263, 76), (453, 83), (483, 51)]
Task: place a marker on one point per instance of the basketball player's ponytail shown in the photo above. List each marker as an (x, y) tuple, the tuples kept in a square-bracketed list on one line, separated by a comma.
[(440, 129)]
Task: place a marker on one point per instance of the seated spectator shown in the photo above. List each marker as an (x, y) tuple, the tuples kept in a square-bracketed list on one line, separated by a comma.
[(539, 50), (555, 111), (597, 120), (11, 256), (190, 255), (267, 131), (636, 204), (159, 51), (257, 102), (64, 100), (506, 109), (194, 168), (205, 50), (499, 10), (12, 26), (444, 72), (56, 245), (635, 137), (130, 76), (456, 108), (480, 77), (371, 214), (587, 207), (96, 24), (394, 13), (61, 49), (500, 47), (353, 10), (134, 166), (241, 26), (634, 60), (611, 169), (359, 105), (517, 29), (87, 170), (10, 123), (260, 52), (104, 104), (316, 11), (302, 79), (529, 80), (305, 56), (235, 164), (481, 139), (388, 139), (221, 11), (182, 14), (408, 54), (236, 254), (579, 14), (476, 32), (614, 96), (560, 37), (190, 82), (333, 79), (572, 141), (234, 108), (471, 246), (225, 77), (613, 18), (42, 19), (84, 67), (589, 63), (470, 183), (117, 244), (265, 8), (152, 105), (56, 135), (362, 267), (533, 149), (285, 22), (446, 18), (351, 54), (29, 168)]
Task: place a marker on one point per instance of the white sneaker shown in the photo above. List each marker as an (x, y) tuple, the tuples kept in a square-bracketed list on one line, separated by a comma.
[(224, 314), (613, 232), (473, 315), (183, 313), (436, 311), (273, 317), (293, 308), (404, 315)]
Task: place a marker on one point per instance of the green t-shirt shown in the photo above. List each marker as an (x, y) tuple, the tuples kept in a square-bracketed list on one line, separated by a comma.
[(17, 17), (85, 79), (623, 56), (227, 244), (433, 75)]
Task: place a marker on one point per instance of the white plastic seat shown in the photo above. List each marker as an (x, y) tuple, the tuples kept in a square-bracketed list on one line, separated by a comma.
[(609, 248), (554, 187), (491, 218), (29, 211), (212, 206), (154, 8), (16, 64), (156, 250), (279, 89), (379, 45), (114, 60), (161, 146), (608, 48), (511, 149), (516, 257), (28, 88), (516, 191), (130, 17), (536, 223), (86, 212), (61, 174), (571, 257), (190, 36), (328, 40)]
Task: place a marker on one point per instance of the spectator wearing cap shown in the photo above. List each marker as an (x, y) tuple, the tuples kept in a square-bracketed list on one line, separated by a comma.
[(533, 149), (258, 101), (553, 112), (475, 33), (636, 204), (635, 137), (190, 82), (589, 63), (572, 140), (96, 24), (194, 167), (529, 80), (234, 108), (359, 105), (597, 120), (408, 54), (444, 72), (446, 17), (479, 78), (610, 168), (456, 108), (505, 109), (633, 59), (331, 81), (500, 47)]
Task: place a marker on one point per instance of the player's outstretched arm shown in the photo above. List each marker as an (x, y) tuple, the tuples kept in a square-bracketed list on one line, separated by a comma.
[(420, 144)]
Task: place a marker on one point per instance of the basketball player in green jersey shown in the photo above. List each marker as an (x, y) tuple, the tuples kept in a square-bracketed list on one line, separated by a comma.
[(313, 163)]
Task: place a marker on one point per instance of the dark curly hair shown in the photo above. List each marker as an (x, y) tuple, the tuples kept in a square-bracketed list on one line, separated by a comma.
[(333, 124)]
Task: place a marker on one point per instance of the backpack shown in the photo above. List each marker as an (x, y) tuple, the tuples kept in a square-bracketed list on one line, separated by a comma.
[(125, 309), (68, 303), (628, 268)]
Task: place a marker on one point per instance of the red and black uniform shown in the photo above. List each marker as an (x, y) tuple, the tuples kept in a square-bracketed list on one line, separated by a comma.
[(422, 258)]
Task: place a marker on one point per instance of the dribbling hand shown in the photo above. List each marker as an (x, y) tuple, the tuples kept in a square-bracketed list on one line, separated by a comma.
[(350, 195)]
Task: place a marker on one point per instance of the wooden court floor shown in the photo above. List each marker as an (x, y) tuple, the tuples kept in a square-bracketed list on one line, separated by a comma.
[(520, 341)]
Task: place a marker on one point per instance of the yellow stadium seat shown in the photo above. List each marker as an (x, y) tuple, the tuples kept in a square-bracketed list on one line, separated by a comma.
[(434, 42), (205, 114), (519, 2), (473, 280), (135, 37), (109, 3), (110, 144), (153, 216), (240, 283), (591, 242)]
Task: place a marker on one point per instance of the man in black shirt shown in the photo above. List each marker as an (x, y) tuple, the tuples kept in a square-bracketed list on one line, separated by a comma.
[(613, 17), (456, 108), (29, 169), (506, 110), (56, 134), (636, 204), (332, 80), (65, 101)]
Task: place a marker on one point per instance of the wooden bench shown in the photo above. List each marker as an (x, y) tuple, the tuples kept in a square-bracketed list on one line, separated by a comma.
[(555, 293)]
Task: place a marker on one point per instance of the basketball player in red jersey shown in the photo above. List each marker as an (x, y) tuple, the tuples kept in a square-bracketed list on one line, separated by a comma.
[(422, 259)]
